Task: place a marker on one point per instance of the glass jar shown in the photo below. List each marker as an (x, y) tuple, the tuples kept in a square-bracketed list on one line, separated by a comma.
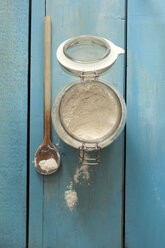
[(88, 114)]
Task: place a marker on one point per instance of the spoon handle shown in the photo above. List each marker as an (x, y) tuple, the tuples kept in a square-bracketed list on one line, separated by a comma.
[(47, 78)]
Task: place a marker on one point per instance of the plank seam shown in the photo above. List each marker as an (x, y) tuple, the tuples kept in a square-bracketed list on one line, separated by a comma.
[(28, 126), (43, 212), (125, 135), (43, 178)]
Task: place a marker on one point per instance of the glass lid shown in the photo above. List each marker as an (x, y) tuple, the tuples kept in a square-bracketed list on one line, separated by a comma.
[(87, 54), (86, 49)]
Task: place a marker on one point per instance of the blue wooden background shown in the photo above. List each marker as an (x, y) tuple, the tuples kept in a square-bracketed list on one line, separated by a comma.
[(13, 121), (145, 139), (124, 205)]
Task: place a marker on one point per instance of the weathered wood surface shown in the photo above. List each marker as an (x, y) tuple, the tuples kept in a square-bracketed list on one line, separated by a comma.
[(97, 220), (145, 149), (13, 121), (36, 193)]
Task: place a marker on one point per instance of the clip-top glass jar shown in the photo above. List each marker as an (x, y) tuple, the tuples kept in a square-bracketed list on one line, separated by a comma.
[(88, 114)]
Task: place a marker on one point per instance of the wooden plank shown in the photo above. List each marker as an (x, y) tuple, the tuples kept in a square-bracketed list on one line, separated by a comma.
[(36, 122), (97, 220), (145, 171), (13, 119)]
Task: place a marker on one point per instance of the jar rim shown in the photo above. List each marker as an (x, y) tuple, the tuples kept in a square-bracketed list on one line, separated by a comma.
[(84, 40), (67, 138)]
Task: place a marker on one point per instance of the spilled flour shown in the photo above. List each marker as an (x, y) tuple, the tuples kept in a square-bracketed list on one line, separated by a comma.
[(83, 170), (71, 195), (48, 165)]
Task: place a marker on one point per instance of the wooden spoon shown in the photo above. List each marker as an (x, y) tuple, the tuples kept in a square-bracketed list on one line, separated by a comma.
[(47, 158)]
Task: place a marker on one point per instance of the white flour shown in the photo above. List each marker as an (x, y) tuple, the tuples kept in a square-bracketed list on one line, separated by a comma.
[(82, 171), (71, 197), (48, 165), (90, 111)]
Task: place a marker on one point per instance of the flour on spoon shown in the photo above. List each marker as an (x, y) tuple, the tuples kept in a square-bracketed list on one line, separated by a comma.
[(48, 165)]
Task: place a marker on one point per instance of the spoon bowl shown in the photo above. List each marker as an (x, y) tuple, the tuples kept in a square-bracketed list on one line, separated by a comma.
[(47, 159)]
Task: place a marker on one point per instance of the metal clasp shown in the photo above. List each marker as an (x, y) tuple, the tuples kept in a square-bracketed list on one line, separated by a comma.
[(86, 76), (86, 158)]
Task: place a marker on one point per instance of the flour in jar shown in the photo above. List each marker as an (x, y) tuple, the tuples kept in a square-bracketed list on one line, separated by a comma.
[(90, 111)]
